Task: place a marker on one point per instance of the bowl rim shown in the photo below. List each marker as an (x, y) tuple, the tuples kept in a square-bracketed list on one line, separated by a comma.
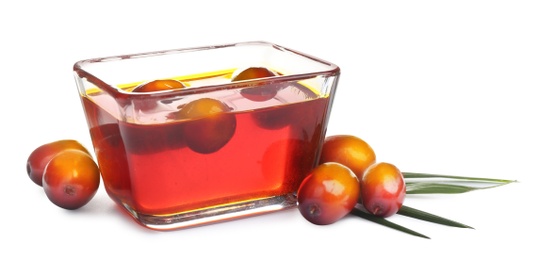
[(81, 72)]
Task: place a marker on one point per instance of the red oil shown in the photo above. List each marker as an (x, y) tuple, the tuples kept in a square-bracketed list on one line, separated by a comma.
[(155, 169)]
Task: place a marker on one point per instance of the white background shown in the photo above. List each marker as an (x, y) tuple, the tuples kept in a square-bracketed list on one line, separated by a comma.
[(434, 86)]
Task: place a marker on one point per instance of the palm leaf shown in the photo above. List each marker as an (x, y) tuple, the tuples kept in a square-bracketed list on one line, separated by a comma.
[(422, 215), (385, 222), (412, 175), (444, 188)]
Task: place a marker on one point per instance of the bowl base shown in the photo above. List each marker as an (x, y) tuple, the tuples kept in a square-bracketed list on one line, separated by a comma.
[(214, 214)]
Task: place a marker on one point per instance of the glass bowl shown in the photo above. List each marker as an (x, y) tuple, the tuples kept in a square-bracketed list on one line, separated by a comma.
[(216, 148)]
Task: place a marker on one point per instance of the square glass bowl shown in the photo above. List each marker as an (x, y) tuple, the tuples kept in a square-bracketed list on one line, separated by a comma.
[(219, 146)]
